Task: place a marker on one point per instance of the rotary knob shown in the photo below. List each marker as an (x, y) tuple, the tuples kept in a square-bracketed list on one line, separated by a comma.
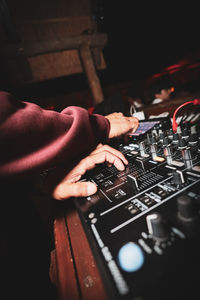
[(132, 183), (182, 144), (178, 178), (185, 133), (142, 149), (161, 136), (157, 227), (175, 139), (167, 150), (186, 209), (193, 140), (187, 157)]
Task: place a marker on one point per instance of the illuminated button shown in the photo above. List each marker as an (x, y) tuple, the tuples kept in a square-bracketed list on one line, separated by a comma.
[(177, 163), (196, 168), (158, 159), (131, 257)]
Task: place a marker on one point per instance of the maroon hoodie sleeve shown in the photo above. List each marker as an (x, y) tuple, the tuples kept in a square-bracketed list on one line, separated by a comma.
[(32, 138)]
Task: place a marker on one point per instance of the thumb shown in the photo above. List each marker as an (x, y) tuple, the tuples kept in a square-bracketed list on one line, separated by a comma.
[(78, 189)]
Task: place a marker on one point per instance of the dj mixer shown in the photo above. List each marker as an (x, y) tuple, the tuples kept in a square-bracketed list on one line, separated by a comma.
[(143, 224)]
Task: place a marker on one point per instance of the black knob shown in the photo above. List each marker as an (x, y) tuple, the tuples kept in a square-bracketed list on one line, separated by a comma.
[(166, 141), (132, 183), (167, 151), (186, 209), (193, 139), (182, 144), (153, 148), (170, 134), (175, 137), (178, 178), (185, 133), (142, 148), (149, 137), (153, 139), (161, 136), (157, 227), (187, 154)]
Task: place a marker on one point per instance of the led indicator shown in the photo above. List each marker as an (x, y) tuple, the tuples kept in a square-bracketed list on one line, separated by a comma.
[(131, 257)]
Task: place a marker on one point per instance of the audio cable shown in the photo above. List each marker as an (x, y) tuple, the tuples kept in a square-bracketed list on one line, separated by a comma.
[(174, 123)]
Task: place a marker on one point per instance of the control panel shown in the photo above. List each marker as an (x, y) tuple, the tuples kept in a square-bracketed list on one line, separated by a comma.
[(143, 224)]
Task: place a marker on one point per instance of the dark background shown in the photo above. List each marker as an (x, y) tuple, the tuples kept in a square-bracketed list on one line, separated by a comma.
[(144, 37)]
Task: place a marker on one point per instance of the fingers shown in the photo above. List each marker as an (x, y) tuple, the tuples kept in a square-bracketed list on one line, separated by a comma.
[(114, 115), (69, 187), (100, 155), (114, 151), (105, 156), (134, 123), (67, 190), (119, 125)]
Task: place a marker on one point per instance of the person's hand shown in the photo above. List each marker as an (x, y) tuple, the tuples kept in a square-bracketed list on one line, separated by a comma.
[(120, 124), (70, 186)]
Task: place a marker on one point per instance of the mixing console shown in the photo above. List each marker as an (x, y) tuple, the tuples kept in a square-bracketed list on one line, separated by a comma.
[(143, 224)]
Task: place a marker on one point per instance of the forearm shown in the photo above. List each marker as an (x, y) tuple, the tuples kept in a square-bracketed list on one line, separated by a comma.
[(33, 138)]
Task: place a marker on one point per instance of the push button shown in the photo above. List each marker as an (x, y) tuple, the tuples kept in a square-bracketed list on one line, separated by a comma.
[(131, 257)]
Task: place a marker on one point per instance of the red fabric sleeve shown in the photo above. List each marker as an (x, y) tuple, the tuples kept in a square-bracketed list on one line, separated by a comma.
[(32, 138)]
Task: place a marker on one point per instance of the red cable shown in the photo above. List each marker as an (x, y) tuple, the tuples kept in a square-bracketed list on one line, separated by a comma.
[(174, 123)]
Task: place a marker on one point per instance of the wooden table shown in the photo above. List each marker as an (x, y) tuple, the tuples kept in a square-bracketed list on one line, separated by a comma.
[(77, 274)]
